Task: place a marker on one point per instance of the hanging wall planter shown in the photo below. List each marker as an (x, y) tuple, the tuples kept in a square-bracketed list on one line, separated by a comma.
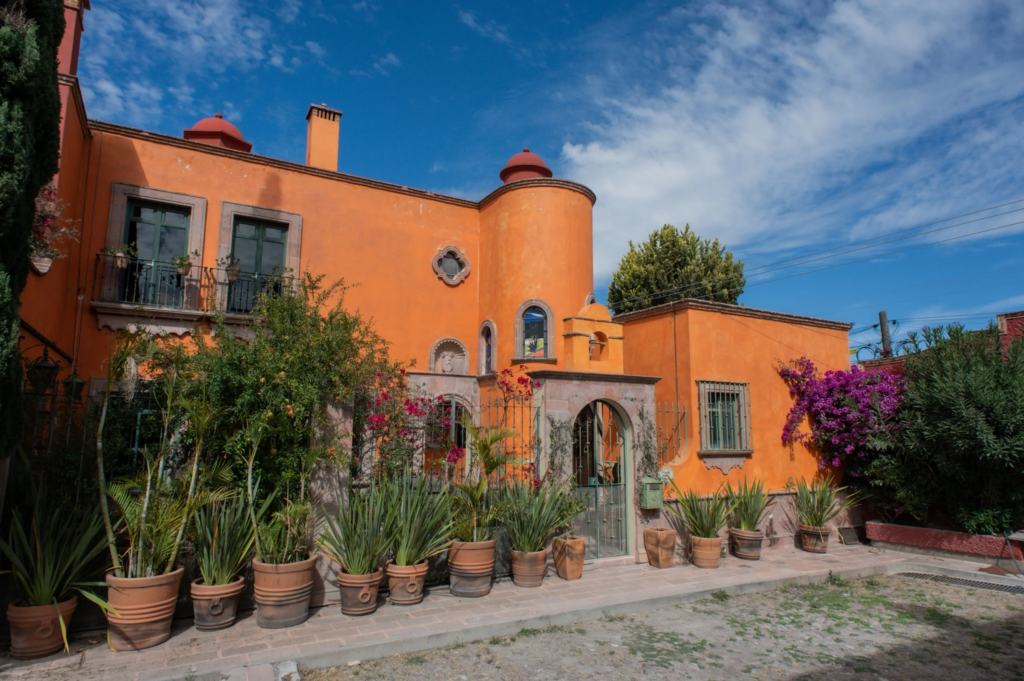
[(40, 265)]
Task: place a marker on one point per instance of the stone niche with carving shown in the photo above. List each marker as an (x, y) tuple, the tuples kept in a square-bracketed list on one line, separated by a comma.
[(449, 356)]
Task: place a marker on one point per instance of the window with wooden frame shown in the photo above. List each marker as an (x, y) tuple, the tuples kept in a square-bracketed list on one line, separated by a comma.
[(724, 416), (158, 232)]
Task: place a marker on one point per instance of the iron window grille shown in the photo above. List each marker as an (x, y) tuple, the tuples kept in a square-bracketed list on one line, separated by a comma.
[(724, 416)]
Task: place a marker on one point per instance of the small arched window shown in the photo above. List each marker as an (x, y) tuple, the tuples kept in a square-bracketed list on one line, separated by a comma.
[(488, 351), (535, 333)]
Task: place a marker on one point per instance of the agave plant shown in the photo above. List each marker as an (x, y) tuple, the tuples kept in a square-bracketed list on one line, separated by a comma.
[(285, 536), (533, 515), (818, 502), (751, 504), (703, 516), (358, 537), (56, 556), (223, 541), (421, 520)]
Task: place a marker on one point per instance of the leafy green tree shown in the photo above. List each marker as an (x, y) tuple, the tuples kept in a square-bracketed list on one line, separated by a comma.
[(959, 447), (30, 33), (672, 265)]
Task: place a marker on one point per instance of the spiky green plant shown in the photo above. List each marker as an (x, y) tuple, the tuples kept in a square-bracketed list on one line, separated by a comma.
[(421, 520), (56, 556), (285, 536), (533, 514), (476, 517), (703, 516), (357, 537), (818, 502), (223, 541), (751, 504)]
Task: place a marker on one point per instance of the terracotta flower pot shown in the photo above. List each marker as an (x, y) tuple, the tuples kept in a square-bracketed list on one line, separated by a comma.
[(41, 266), (529, 567), (215, 607), (814, 539), (747, 545), (35, 629), (470, 567), (359, 592), (185, 269), (706, 552), (145, 606), (569, 555), (282, 592), (660, 544), (121, 260), (232, 273), (405, 583)]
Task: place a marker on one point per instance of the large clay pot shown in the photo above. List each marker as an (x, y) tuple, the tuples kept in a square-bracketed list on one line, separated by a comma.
[(144, 606), (814, 539), (529, 567), (405, 583), (706, 552), (359, 592), (470, 567), (216, 607), (35, 629), (747, 545), (569, 555), (660, 544), (282, 592)]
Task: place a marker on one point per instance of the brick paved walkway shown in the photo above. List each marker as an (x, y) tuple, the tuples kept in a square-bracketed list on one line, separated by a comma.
[(330, 638)]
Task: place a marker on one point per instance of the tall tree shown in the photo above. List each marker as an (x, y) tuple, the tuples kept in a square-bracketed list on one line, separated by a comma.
[(672, 265), (30, 33)]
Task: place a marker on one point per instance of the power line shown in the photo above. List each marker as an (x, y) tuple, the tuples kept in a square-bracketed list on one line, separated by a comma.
[(804, 261)]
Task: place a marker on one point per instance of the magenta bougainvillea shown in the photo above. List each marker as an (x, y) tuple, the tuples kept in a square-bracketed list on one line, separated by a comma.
[(846, 410)]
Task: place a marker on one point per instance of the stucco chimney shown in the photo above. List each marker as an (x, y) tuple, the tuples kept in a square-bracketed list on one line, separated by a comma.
[(322, 137)]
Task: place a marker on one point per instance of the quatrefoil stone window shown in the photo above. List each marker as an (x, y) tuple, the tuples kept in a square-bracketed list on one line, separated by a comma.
[(451, 265)]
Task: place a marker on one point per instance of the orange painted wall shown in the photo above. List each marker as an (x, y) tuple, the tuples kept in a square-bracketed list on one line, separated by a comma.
[(714, 346), (535, 242)]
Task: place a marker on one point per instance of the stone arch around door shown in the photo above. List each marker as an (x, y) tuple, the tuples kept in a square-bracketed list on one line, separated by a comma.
[(449, 356)]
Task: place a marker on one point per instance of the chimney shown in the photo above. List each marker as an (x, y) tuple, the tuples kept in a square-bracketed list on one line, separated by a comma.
[(67, 53), (322, 137)]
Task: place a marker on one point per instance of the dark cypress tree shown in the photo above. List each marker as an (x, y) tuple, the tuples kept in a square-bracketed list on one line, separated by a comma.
[(30, 33)]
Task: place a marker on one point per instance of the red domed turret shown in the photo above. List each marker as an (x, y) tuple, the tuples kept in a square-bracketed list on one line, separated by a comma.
[(219, 133), (524, 165)]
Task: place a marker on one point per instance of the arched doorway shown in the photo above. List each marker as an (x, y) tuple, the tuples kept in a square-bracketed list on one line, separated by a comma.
[(600, 466)]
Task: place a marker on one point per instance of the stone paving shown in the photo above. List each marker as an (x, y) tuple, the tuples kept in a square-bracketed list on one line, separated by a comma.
[(330, 638)]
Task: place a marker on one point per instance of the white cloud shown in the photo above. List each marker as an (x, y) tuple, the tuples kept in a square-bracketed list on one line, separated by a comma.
[(367, 8), (315, 49), (289, 10), (382, 66), (491, 29), (776, 126)]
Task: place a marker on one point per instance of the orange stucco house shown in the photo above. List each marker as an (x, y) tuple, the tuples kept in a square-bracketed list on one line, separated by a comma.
[(461, 288)]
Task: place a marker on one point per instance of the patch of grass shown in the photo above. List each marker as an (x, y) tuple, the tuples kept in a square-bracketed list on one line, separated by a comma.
[(614, 618), (719, 596), (416, 660), (528, 633), (663, 648), (496, 641), (936, 616), (835, 580)]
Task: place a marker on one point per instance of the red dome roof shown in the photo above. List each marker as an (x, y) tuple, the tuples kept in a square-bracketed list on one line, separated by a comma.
[(219, 133), (524, 165)]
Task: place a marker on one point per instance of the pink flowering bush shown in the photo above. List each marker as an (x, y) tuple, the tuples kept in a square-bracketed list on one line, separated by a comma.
[(847, 411)]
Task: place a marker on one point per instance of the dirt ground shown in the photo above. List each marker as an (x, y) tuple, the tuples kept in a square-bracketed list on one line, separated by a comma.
[(889, 628)]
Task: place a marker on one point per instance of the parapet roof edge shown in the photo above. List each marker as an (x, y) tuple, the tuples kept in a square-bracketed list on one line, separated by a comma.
[(738, 310), (114, 128)]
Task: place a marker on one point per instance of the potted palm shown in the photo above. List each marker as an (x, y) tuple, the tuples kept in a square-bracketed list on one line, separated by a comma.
[(751, 504), (531, 514), (704, 517), (471, 555), (817, 504), (358, 538), (223, 540), (51, 563), (421, 526), (282, 567)]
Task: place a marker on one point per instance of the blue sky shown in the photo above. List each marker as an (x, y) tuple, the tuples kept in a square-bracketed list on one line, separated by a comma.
[(781, 128)]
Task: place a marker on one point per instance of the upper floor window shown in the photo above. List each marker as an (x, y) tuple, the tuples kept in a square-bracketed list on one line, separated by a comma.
[(535, 333), (488, 350), (158, 232), (259, 247), (724, 416)]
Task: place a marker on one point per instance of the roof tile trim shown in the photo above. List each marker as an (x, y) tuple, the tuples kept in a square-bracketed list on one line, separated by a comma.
[(738, 310)]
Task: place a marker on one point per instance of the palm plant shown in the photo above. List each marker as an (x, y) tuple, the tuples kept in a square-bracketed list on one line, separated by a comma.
[(751, 503), (223, 541), (818, 503), (284, 537), (358, 537), (55, 557), (476, 518), (421, 520), (703, 516), (533, 515)]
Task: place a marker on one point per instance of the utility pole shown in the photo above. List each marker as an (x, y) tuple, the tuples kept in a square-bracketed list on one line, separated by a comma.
[(883, 324)]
